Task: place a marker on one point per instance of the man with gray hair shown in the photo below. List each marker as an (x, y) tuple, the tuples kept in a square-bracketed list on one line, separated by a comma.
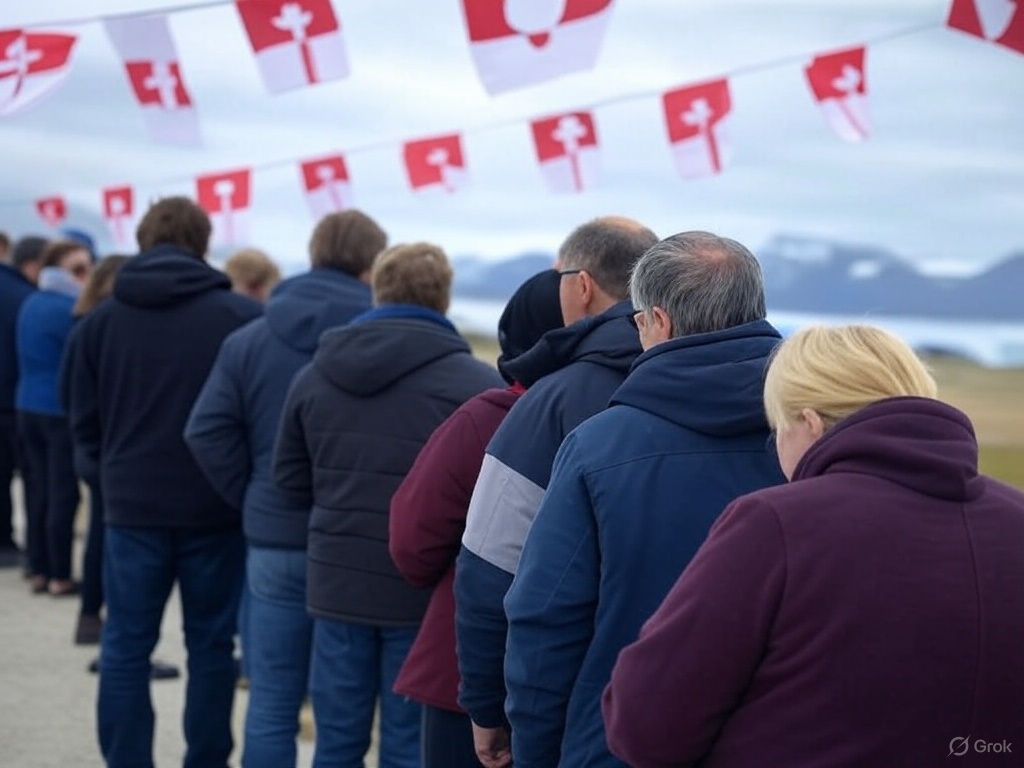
[(635, 489)]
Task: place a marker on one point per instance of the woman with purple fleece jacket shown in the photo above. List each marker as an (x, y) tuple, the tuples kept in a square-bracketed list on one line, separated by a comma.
[(869, 613)]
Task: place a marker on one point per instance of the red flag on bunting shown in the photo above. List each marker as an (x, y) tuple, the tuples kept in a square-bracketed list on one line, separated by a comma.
[(436, 163), (145, 46), (1000, 21), (53, 210), (296, 42), (567, 151), (226, 197), (516, 43), (695, 117), (32, 64), (119, 211), (326, 183), (840, 87)]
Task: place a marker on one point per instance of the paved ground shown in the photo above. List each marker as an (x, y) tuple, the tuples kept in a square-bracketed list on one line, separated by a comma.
[(47, 696)]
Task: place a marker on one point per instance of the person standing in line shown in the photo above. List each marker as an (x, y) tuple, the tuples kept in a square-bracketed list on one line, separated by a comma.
[(253, 273), (428, 516), (231, 434), (635, 489), (868, 613), (570, 374), (353, 422), (51, 493), (17, 281), (145, 354)]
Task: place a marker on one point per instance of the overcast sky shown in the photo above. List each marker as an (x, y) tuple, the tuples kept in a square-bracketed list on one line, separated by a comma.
[(941, 180)]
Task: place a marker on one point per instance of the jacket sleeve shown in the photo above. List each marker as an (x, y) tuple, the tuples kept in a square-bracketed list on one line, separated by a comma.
[(216, 431), (480, 630), (708, 635), (79, 392), (550, 609), (293, 464), (428, 511)]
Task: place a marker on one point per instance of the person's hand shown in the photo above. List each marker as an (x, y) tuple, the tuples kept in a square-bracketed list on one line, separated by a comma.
[(492, 745)]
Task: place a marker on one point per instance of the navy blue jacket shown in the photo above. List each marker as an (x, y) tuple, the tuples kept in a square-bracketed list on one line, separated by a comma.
[(234, 422), (353, 423), (14, 289), (137, 363), (632, 496), (44, 324), (571, 374)]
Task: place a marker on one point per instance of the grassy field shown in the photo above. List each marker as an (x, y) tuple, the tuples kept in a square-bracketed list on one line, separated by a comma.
[(993, 399)]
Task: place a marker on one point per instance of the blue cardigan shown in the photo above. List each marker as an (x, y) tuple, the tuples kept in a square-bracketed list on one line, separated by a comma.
[(44, 324)]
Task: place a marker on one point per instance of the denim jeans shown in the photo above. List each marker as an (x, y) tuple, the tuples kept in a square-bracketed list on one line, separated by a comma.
[(277, 651), (51, 497), (140, 567), (353, 665)]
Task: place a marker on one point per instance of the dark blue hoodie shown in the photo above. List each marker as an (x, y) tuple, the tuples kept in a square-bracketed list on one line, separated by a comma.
[(632, 495), (137, 364), (571, 374), (233, 425), (14, 289)]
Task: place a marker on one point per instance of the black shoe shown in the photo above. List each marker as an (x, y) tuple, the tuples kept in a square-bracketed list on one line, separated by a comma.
[(88, 630), (159, 670)]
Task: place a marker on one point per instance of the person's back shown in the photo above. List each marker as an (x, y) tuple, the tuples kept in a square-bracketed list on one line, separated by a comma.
[(143, 357)]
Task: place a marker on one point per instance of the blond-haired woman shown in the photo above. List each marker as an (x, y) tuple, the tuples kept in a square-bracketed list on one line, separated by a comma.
[(870, 612)]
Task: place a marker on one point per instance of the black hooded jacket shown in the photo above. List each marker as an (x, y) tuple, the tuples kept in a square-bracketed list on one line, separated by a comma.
[(353, 423)]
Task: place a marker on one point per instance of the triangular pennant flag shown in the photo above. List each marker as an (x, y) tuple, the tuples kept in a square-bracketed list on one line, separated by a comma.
[(32, 65), (567, 151), (516, 43), (696, 120), (52, 210), (145, 46), (839, 85), (119, 211), (1000, 21), (226, 198), (296, 42), (436, 163), (325, 181)]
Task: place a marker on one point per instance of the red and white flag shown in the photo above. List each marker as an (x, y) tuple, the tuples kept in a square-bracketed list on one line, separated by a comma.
[(32, 64), (516, 43), (296, 42), (52, 210), (839, 85), (226, 198), (436, 164), (696, 118), (119, 211), (326, 183), (145, 46), (1000, 21), (567, 151)]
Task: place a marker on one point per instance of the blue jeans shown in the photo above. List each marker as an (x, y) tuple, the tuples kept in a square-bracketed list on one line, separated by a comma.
[(278, 654), (353, 664), (140, 567)]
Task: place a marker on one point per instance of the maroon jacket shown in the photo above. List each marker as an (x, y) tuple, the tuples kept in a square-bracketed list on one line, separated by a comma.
[(428, 515), (870, 613)]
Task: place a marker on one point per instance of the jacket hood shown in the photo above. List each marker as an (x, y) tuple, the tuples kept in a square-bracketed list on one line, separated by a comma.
[(712, 383), (609, 339), (303, 307), (364, 358), (921, 444), (164, 276)]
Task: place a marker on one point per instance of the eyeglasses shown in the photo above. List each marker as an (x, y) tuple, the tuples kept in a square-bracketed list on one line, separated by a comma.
[(79, 270), (570, 271)]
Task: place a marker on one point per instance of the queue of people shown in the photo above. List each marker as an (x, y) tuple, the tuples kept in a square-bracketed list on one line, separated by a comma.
[(655, 534)]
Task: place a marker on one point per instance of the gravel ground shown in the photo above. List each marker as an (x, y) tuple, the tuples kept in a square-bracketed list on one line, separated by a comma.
[(47, 696)]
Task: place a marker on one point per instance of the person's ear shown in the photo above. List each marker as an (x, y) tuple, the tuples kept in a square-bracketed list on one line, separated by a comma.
[(814, 422), (661, 324), (587, 289)]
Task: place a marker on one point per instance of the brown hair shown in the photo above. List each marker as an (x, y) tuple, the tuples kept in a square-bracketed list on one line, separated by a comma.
[(175, 221), (348, 241), (416, 273), (252, 272), (56, 250), (99, 285)]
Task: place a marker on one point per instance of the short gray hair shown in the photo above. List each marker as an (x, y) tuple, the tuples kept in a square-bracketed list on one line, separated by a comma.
[(608, 249), (704, 282)]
